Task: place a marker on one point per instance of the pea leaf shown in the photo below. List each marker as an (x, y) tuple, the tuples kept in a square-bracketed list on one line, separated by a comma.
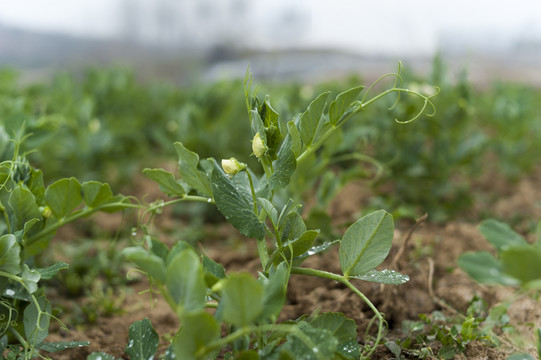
[(485, 268), (366, 243), (63, 196), (341, 104), (322, 344), (295, 136), (500, 235), (143, 341), (61, 346), (198, 329), (242, 299), (167, 182), (284, 168), (9, 254), (213, 271), (188, 166), (342, 328), (36, 321), (185, 282), (48, 272), (21, 208), (96, 193), (101, 356), (390, 277), (232, 203), (294, 248), (150, 263), (522, 262), (309, 120), (275, 286)]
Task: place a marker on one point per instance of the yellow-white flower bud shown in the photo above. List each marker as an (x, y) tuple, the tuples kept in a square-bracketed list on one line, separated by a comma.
[(231, 166), (258, 146)]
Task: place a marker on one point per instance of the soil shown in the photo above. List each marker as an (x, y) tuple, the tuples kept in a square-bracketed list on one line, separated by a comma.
[(429, 258)]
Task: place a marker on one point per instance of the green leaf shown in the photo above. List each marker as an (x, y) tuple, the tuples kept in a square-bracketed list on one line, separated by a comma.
[(233, 205), (521, 356), (366, 243), (143, 341), (101, 356), (295, 136), (213, 271), (198, 330), (63, 196), (48, 272), (275, 287), (385, 276), (294, 248), (21, 208), (269, 209), (96, 193), (9, 254), (167, 182), (500, 235), (242, 299), (485, 268), (292, 226), (36, 321), (349, 350), (30, 278), (322, 344), (185, 282), (61, 346), (342, 328), (189, 170), (152, 264), (284, 168), (342, 102), (522, 262), (309, 120)]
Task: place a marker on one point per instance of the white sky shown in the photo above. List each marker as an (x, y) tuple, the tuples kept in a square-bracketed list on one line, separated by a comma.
[(381, 26)]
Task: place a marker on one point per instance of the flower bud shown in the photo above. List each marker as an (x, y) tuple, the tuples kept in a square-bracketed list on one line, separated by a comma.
[(231, 166), (46, 212), (258, 146)]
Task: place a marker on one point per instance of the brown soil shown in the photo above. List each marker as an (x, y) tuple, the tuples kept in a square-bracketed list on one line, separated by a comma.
[(429, 259)]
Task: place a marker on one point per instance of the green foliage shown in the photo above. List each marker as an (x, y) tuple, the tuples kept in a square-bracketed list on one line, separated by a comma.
[(445, 337), (30, 215), (517, 261), (263, 205)]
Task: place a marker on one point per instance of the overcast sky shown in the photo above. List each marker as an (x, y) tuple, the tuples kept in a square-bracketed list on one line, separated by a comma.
[(391, 26)]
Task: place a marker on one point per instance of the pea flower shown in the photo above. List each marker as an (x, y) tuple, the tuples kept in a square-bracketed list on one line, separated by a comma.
[(231, 166), (258, 146)]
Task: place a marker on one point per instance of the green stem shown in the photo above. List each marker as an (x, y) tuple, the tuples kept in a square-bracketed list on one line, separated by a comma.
[(344, 280), (247, 330), (181, 199), (254, 197), (77, 215)]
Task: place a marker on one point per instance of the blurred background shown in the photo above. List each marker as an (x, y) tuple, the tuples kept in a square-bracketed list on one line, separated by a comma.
[(205, 40)]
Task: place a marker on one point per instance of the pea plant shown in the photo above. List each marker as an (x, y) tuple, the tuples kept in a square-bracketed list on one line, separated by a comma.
[(516, 264), (30, 215), (207, 300)]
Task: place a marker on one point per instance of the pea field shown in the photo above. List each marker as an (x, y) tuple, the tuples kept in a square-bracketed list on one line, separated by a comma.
[(249, 219)]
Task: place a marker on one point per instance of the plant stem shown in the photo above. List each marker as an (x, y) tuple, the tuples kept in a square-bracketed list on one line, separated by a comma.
[(254, 197), (344, 280), (77, 215), (292, 329)]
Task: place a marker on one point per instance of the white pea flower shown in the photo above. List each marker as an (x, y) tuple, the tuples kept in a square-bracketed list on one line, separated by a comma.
[(231, 166), (258, 146)]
